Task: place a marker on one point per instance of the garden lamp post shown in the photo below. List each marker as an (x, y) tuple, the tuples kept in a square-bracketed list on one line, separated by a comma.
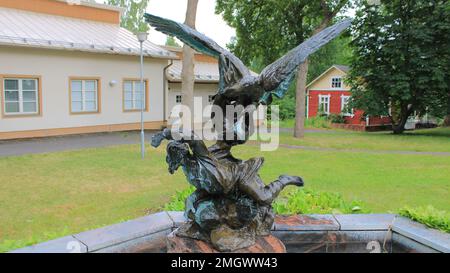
[(142, 37)]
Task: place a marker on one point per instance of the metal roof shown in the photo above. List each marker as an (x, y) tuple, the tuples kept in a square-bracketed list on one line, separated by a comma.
[(31, 29), (204, 72)]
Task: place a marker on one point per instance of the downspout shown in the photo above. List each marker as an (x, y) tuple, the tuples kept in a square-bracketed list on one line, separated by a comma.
[(165, 88)]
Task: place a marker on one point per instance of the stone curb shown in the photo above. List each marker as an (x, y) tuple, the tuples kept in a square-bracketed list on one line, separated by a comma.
[(138, 234)]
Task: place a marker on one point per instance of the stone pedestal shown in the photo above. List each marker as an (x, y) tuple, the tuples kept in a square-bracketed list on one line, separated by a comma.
[(264, 244)]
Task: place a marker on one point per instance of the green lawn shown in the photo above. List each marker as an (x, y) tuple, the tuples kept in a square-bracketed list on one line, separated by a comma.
[(51, 195), (431, 140)]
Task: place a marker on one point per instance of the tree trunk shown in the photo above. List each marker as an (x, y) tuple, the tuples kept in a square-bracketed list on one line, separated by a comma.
[(400, 127), (187, 73), (447, 117), (300, 105)]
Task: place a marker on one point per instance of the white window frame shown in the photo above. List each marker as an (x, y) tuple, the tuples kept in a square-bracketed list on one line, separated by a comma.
[(20, 98), (83, 96), (134, 98), (332, 82), (176, 99), (343, 98), (328, 97)]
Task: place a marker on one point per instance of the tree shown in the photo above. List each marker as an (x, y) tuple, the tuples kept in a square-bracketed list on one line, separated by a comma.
[(170, 41), (402, 58), (266, 30), (187, 73), (132, 18)]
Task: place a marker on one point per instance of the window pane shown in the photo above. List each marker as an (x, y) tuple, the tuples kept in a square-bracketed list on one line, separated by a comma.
[(76, 106), (90, 96), (90, 85), (138, 95), (138, 104), (128, 105), (11, 107), (11, 85), (29, 95), (128, 96), (138, 86), (29, 107), (90, 106), (12, 95), (76, 86), (28, 84), (128, 86), (76, 96)]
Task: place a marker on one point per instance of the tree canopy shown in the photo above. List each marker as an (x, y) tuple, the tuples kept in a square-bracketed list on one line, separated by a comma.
[(402, 58), (132, 18)]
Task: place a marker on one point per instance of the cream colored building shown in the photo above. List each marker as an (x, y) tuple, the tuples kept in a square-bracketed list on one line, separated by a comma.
[(70, 69)]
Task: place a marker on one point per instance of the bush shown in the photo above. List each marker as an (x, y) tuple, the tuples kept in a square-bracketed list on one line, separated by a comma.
[(304, 201), (177, 201), (317, 122), (307, 201), (428, 216), (334, 118)]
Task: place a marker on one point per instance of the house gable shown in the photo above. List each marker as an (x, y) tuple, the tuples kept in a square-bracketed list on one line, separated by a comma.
[(323, 82)]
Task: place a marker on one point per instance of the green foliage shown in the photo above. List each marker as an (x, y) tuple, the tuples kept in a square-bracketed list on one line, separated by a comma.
[(336, 118), (177, 201), (401, 58), (304, 201), (307, 201), (133, 16), (318, 122), (428, 216), (170, 41)]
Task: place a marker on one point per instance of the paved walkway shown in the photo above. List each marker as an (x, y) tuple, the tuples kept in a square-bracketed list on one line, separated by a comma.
[(77, 142), (65, 143)]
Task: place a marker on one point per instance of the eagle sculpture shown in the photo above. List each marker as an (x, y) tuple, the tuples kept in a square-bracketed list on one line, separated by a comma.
[(231, 205)]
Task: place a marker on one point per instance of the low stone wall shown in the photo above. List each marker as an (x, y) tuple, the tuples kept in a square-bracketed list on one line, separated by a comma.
[(300, 233), (361, 127)]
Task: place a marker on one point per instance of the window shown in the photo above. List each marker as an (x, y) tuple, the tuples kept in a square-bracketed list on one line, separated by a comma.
[(345, 107), (324, 104), (336, 82), (134, 95), (84, 94), (21, 96), (210, 98), (178, 99)]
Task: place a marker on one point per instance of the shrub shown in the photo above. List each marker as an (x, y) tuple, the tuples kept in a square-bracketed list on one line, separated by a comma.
[(304, 201), (307, 201), (334, 118), (428, 216), (317, 122)]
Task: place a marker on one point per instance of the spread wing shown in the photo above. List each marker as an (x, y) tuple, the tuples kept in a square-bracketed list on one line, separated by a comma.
[(277, 77), (231, 68)]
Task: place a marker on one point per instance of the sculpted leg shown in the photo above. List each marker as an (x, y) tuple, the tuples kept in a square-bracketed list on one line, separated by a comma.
[(266, 194)]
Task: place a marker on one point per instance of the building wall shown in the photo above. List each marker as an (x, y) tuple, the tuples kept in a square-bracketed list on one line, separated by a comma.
[(202, 90), (55, 67)]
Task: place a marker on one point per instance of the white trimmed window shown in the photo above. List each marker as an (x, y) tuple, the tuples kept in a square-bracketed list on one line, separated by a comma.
[(84, 95), (178, 98), (21, 96), (344, 106), (134, 95), (336, 82), (324, 104)]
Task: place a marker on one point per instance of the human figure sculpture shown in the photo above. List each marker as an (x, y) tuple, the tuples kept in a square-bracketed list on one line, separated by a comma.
[(231, 205)]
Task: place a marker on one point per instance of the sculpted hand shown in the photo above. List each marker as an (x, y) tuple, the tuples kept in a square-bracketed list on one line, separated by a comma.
[(157, 139)]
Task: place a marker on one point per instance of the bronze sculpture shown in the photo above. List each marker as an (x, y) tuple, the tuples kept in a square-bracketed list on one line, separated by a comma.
[(231, 204)]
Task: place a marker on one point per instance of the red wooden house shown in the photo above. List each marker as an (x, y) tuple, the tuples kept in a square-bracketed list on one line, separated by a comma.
[(329, 94)]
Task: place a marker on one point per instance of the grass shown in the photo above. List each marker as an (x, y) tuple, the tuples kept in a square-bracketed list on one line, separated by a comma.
[(427, 140), (46, 196)]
